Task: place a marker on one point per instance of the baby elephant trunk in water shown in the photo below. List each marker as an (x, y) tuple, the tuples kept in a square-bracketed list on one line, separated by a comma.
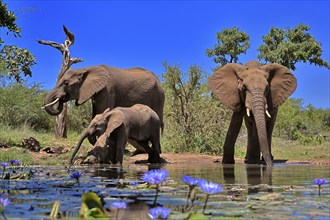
[(259, 110), (78, 146)]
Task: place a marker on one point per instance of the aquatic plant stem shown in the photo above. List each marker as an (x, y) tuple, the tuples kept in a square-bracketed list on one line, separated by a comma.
[(157, 189), (207, 198), (4, 216), (189, 194), (117, 213), (319, 190)]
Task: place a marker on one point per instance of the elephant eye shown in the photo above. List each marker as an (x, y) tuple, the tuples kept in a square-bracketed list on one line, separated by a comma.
[(66, 83)]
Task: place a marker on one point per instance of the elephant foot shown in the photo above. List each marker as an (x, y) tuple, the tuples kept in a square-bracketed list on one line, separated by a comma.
[(156, 159), (252, 161), (263, 160), (228, 161)]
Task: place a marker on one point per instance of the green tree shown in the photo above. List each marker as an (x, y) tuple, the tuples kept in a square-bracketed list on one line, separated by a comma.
[(230, 44), (13, 60), (192, 116), (289, 46)]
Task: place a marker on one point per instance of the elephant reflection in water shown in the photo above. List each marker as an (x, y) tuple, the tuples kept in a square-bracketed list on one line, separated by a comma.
[(256, 177)]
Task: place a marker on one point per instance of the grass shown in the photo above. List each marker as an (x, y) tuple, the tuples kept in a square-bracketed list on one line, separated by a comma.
[(14, 137), (291, 150), (281, 149)]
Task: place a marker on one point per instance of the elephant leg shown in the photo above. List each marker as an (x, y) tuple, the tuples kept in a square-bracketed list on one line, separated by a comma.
[(253, 147), (112, 151), (145, 146), (139, 149), (232, 133), (155, 145), (121, 143)]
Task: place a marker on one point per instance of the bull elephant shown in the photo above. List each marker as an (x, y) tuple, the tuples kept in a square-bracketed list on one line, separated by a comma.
[(254, 92), (107, 87), (114, 127)]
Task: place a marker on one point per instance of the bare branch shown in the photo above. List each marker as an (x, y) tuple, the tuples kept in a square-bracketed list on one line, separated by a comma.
[(58, 46), (75, 60), (64, 48), (69, 35)]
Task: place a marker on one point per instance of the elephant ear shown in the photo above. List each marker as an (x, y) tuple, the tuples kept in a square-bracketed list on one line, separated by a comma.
[(95, 79), (224, 84), (115, 119), (282, 82)]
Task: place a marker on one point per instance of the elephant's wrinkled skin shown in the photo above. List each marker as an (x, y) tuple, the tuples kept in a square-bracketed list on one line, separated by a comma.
[(108, 87), (255, 92), (139, 123)]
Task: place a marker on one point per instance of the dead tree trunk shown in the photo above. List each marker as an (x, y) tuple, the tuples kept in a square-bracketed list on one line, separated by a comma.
[(61, 119)]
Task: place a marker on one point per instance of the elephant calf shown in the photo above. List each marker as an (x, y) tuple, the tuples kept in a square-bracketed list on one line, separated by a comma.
[(114, 127)]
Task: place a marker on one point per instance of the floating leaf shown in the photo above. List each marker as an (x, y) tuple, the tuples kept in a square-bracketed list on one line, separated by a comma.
[(270, 196), (197, 216), (91, 206)]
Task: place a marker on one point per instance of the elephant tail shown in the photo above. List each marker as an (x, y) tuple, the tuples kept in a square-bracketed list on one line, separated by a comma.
[(162, 128)]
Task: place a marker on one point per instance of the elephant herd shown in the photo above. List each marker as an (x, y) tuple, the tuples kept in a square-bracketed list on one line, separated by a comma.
[(127, 105)]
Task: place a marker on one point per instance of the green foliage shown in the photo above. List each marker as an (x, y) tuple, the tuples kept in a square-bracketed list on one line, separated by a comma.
[(13, 60), (17, 60), (194, 120), (21, 105), (79, 117), (289, 46), (8, 21), (308, 125), (230, 42)]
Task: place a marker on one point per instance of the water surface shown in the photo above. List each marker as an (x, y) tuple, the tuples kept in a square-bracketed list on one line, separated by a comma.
[(249, 191)]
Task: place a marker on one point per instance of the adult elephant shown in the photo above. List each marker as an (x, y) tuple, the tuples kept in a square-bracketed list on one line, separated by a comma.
[(107, 87), (254, 92)]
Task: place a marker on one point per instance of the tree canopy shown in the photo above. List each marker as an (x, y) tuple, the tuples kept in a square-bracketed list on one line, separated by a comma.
[(13, 60), (230, 43), (289, 46)]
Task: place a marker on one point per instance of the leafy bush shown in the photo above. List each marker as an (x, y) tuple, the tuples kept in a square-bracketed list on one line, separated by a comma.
[(306, 124), (21, 105), (79, 117), (194, 120)]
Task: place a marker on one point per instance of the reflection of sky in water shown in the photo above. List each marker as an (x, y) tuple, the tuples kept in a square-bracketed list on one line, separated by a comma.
[(287, 189)]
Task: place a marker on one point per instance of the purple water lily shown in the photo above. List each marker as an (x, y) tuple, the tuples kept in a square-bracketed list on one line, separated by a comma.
[(159, 213), (192, 183), (76, 175), (13, 162), (209, 188), (119, 205), (320, 182), (155, 176)]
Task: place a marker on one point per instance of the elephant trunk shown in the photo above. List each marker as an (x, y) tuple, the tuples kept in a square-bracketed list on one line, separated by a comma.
[(50, 101), (86, 134), (258, 108)]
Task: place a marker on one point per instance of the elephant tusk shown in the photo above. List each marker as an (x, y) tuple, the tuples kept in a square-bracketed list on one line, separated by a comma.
[(52, 103), (267, 113), (248, 112)]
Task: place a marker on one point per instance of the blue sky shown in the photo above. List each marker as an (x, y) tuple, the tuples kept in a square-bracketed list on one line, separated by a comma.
[(146, 33)]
